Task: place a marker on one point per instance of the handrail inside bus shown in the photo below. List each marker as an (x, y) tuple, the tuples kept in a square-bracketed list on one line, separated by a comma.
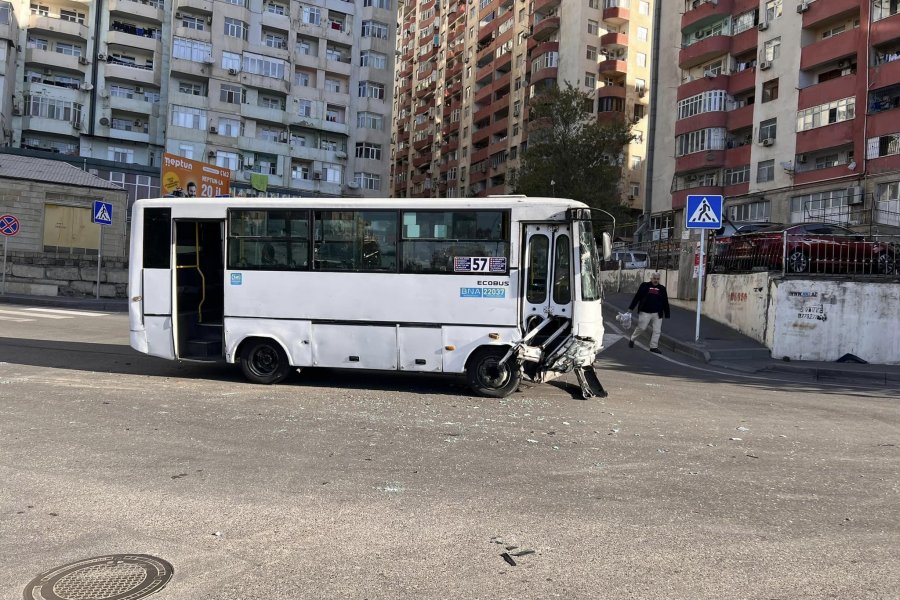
[(199, 271)]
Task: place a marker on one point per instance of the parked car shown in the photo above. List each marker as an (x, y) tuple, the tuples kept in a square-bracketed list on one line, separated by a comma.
[(808, 248), (725, 233), (631, 259)]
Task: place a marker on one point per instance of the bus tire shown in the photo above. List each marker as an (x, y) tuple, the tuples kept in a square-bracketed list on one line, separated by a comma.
[(487, 377), (264, 361)]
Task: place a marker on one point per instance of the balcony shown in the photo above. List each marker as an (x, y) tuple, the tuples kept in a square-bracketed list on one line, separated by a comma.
[(699, 160), (538, 51), (50, 126), (702, 84), (827, 174), (740, 118), (744, 41), (703, 51), (120, 38), (834, 48), (820, 13), (614, 40), (716, 119), (545, 28), (883, 123), (885, 30), (613, 67), (190, 67), (145, 9), (58, 26), (54, 59), (274, 115), (742, 80), (542, 7), (616, 15), (612, 91), (545, 73), (739, 156), (829, 136), (136, 105), (704, 12), (827, 91), (885, 74), (132, 73)]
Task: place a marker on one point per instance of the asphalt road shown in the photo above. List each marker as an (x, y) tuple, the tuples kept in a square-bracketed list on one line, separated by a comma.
[(682, 484)]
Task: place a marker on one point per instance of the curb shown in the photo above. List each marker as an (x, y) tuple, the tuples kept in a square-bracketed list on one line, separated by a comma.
[(104, 304), (881, 377)]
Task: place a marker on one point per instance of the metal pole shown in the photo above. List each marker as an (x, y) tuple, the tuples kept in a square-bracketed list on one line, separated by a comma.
[(701, 271), (3, 286), (99, 258)]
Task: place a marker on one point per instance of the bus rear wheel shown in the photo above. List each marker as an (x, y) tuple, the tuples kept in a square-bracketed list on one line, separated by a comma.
[(264, 361), (487, 377)]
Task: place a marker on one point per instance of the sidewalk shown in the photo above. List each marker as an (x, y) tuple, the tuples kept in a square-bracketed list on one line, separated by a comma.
[(723, 346), (79, 303)]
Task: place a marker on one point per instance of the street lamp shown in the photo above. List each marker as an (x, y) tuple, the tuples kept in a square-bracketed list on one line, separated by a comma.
[(553, 187)]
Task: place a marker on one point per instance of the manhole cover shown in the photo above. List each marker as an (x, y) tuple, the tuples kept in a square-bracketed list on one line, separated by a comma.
[(113, 577)]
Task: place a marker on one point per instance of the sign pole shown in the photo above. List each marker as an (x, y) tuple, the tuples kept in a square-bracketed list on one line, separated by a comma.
[(5, 244), (701, 272), (100, 257)]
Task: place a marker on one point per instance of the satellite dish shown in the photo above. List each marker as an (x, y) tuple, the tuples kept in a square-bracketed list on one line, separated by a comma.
[(852, 165)]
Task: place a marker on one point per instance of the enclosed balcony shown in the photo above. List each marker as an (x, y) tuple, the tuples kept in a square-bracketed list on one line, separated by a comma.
[(545, 28), (703, 51), (61, 27), (827, 91), (836, 134), (152, 10), (616, 15), (702, 84), (821, 13), (703, 12), (843, 45), (699, 160), (886, 30)]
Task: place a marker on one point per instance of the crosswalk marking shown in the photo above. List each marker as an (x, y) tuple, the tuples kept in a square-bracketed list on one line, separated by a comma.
[(14, 319), (22, 313), (77, 313)]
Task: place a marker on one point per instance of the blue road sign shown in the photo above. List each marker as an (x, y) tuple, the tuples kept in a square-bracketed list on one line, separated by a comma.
[(703, 212), (102, 213)]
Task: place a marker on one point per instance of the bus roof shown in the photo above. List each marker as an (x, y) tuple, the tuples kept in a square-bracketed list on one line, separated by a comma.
[(201, 205)]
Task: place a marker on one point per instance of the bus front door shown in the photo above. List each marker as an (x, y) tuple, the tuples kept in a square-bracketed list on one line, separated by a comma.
[(198, 300), (547, 281)]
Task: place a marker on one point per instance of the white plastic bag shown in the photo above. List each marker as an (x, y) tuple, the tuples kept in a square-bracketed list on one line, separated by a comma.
[(624, 320)]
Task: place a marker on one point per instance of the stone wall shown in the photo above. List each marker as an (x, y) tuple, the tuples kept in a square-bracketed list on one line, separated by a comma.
[(39, 274)]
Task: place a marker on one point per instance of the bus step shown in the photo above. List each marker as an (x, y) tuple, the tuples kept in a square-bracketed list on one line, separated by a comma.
[(204, 348), (590, 383)]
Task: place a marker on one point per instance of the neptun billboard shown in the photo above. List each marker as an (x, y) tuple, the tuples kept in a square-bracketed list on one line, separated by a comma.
[(192, 178)]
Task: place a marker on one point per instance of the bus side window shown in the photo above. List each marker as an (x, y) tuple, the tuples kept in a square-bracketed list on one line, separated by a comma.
[(157, 238), (562, 258)]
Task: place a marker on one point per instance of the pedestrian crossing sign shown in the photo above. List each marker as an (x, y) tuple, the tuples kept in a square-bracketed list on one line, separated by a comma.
[(102, 213), (703, 212)]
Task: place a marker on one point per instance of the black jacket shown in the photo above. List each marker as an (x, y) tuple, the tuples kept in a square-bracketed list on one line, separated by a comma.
[(651, 299)]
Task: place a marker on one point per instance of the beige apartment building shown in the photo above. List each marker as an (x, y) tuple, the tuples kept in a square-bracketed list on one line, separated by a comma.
[(466, 71), (299, 92), (787, 109)]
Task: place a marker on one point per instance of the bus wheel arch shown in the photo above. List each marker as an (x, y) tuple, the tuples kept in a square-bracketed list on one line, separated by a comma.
[(487, 377), (263, 360)]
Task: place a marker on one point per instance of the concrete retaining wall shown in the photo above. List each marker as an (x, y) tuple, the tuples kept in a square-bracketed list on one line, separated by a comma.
[(823, 320), (739, 301), (39, 274), (627, 281)]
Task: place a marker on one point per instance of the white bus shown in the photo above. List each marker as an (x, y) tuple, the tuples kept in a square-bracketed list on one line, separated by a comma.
[(494, 288)]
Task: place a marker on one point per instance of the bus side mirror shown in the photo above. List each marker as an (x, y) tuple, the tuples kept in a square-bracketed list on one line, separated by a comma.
[(607, 246)]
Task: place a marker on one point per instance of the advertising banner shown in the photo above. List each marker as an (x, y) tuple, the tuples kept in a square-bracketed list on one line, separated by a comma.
[(192, 178)]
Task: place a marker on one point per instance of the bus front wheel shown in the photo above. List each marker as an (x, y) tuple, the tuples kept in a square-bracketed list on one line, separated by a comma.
[(264, 361), (487, 377)]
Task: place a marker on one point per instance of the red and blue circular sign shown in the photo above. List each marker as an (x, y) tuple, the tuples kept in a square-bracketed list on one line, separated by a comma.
[(9, 225)]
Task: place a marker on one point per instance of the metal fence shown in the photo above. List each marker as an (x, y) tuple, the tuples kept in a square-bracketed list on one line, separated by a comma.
[(872, 256)]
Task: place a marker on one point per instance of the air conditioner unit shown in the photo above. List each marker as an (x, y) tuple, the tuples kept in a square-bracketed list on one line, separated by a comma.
[(641, 93), (765, 65), (101, 56), (768, 142), (317, 175), (211, 154), (213, 129), (232, 71), (104, 121), (87, 87), (178, 15), (854, 195), (209, 60), (801, 158), (283, 137), (209, 20), (691, 178), (82, 60), (763, 26), (340, 154), (248, 161), (138, 90), (76, 125), (802, 7), (48, 71)]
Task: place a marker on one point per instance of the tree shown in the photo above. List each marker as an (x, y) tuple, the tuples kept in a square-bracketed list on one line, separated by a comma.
[(572, 155)]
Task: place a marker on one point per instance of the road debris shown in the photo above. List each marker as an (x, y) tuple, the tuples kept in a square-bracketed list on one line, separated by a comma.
[(509, 559)]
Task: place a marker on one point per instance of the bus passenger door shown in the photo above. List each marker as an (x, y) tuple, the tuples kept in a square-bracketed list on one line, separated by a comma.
[(547, 278), (198, 302), (154, 296)]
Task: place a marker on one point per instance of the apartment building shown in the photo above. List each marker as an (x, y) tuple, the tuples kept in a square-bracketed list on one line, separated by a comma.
[(298, 92), (791, 110), (466, 72)]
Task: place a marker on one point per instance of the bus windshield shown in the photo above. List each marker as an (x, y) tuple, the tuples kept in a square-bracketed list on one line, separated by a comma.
[(590, 289)]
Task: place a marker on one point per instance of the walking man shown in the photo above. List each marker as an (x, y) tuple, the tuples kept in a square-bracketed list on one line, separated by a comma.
[(652, 303)]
